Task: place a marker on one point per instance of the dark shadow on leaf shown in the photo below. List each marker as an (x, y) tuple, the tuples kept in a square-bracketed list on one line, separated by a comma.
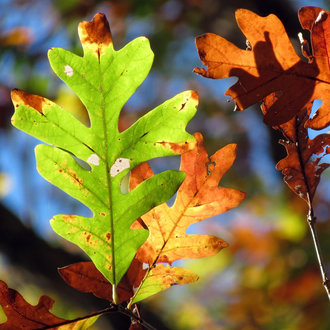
[(293, 88)]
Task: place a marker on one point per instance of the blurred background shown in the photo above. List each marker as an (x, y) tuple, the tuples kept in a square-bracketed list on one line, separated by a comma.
[(268, 278)]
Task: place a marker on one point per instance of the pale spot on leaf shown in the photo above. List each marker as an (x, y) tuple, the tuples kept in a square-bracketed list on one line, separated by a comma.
[(120, 165), (68, 70), (145, 266), (321, 17), (94, 159)]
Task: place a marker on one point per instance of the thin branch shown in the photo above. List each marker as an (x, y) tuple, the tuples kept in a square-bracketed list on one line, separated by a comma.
[(135, 317), (113, 308), (311, 219)]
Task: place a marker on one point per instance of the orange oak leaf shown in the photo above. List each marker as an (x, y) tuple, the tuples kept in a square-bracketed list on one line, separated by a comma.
[(198, 198), (85, 277), (302, 167), (270, 64)]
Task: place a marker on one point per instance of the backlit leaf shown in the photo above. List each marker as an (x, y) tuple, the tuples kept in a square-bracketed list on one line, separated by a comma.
[(303, 166), (198, 198), (270, 64), (20, 314), (85, 277), (89, 163), (163, 277)]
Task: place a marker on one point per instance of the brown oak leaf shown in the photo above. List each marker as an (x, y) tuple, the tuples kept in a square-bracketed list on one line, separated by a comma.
[(302, 167), (21, 315), (270, 64)]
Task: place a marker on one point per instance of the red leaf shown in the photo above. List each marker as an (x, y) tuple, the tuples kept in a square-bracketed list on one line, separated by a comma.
[(85, 277), (21, 315)]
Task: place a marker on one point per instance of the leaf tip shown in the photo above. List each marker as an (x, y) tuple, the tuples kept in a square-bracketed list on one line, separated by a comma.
[(33, 101), (241, 14), (95, 35), (194, 95)]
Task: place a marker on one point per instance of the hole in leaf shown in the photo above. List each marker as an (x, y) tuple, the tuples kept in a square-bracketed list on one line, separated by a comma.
[(82, 163), (171, 201), (124, 184), (71, 103)]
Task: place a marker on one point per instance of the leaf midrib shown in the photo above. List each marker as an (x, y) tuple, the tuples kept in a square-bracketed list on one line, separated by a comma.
[(107, 169)]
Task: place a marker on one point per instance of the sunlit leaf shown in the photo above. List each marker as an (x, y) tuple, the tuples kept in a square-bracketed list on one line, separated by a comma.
[(270, 64), (85, 277), (198, 198), (303, 166), (89, 163), (21, 315), (163, 277)]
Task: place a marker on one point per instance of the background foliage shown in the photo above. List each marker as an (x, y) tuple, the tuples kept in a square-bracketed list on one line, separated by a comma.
[(268, 277)]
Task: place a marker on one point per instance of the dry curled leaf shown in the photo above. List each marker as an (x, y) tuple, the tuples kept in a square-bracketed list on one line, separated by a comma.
[(270, 64), (303, 166)]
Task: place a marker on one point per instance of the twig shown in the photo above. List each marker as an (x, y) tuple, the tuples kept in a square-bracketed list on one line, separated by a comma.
[(137, 318), (311, 219), (111, 309)]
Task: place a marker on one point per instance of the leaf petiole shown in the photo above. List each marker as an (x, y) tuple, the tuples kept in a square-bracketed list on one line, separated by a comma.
[(115, 298)]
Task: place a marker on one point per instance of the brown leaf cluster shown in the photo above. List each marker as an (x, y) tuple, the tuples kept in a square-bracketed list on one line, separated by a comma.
[(270, 71), (270, 64), (303, 166)]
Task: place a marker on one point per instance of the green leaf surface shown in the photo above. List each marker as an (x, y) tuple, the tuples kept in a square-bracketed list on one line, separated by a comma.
[(89, 163)]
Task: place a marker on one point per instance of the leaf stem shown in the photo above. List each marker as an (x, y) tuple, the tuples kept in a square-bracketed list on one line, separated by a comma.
[(130, 303), (115, 298), (135, 317), (311, 219)]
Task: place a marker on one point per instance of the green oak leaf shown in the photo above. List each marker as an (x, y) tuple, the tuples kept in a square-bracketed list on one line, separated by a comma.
[(90, 163)]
